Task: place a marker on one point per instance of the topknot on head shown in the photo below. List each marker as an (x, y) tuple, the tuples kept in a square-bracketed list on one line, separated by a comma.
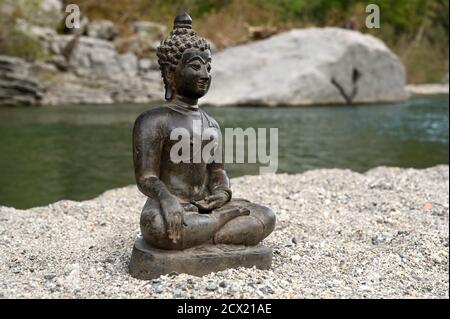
[(182, 21)]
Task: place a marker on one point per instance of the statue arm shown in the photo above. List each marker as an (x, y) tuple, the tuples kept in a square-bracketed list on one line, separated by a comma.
[(219, 180), (219, 188), (148, 141)]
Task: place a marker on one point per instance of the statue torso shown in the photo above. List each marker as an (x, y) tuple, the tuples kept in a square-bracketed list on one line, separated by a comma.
[(188, 180)]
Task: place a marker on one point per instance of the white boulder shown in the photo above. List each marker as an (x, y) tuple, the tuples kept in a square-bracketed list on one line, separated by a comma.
[(307, 66)]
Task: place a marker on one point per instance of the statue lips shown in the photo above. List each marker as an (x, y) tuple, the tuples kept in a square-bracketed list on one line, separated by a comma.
[(203, 84)]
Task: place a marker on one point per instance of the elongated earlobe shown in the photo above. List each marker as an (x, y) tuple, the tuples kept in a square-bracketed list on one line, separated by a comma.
[(168, 84), (169, 93)]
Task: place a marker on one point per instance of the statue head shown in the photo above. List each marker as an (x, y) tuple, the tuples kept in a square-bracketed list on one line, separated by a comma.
[(185, 61)]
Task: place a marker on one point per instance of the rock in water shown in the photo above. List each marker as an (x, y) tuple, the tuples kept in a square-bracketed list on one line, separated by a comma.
[(308, 66)]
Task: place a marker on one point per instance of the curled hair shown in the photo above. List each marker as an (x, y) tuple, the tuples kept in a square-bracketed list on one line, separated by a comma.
[(181, 38)]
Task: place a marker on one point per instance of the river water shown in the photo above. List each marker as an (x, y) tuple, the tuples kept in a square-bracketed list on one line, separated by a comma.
[(77, 152)]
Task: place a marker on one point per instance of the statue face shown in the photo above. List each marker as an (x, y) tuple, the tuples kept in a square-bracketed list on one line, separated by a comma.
[(192, 76)]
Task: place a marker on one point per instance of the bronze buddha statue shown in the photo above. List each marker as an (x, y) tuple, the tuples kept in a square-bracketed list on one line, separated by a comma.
[(189, 203)]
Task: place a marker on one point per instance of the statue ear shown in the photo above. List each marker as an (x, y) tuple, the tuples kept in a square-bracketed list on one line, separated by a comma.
[(169, 93), (168, 83)]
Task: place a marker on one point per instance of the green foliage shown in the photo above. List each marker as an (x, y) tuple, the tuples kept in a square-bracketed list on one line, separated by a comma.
[(22, 45), (16, 42)]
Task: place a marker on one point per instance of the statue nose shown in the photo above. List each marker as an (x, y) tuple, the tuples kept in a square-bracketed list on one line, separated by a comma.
[(205, 77), (205, 73)]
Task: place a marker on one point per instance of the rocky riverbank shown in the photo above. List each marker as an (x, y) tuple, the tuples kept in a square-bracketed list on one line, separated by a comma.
[(91, 64), (94, 64), (339, 234)]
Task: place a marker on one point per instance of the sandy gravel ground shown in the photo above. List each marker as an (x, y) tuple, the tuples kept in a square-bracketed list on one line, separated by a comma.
[(339, 234)]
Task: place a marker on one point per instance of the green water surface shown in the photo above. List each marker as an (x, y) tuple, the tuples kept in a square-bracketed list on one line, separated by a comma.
[(77, 152)]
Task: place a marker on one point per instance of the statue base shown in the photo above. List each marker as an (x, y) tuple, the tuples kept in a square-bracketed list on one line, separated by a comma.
[(148, 262)]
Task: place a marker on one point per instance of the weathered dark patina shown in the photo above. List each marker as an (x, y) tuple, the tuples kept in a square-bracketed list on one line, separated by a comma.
[(190, 203)]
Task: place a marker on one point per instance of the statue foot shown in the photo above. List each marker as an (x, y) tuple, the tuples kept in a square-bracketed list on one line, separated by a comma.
[(225, 215), (247, 230)]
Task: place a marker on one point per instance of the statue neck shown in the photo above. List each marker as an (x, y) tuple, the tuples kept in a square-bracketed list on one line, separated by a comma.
[(185, 102)]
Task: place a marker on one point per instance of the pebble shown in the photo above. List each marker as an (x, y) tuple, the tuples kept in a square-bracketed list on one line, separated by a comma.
[(266, 290), (176, 293), (159, 289), (50, 276), (211, 286)]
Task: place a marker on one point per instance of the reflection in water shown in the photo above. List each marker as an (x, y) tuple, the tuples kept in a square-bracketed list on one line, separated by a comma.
[(77, 152)]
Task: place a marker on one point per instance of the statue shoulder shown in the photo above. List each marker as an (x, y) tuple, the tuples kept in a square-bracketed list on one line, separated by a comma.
[(152, 122), (152, 119)]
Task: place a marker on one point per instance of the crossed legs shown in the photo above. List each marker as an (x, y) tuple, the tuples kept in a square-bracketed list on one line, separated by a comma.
[(239, 222)]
